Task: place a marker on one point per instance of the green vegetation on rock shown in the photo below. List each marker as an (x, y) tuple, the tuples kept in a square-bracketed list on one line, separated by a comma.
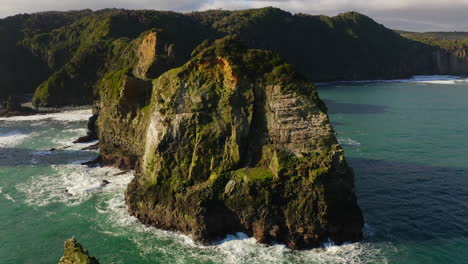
[(20, 70), (216, 111), (350, 46), (449, 50), (234, 140), (75, 254)]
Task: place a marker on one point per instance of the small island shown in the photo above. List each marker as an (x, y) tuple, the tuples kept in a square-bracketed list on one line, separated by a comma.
[(216, 111)]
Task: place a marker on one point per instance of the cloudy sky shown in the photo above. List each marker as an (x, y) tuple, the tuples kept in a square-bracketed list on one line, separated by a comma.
[(415, 15)]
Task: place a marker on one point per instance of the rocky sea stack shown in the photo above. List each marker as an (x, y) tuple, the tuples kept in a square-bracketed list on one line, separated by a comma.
[(75, 254), (235, 140)]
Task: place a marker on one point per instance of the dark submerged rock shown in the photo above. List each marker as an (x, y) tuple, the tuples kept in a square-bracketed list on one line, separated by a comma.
[(91, 134)]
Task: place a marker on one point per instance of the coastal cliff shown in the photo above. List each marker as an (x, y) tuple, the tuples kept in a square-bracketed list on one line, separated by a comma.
[(107, 41), (66, 59), (235, 140)]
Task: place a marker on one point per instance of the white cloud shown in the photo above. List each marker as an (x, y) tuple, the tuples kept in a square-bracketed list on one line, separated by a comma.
[(406, 14), (329, 5)]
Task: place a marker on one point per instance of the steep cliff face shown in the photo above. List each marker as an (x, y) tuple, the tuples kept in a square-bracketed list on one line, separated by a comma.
[(75, 254), (123, 114), (233, 141), (350, 46), (454, 61), (146, 55), (448, 52)]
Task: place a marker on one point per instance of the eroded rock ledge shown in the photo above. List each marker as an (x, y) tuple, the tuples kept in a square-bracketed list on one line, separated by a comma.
[(233, 141)]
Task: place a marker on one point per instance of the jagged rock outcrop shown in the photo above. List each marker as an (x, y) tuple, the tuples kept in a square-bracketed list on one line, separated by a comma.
[(91, 134), (146, 55), (233, 141), (75, 254), (11, 107), (123, 115)]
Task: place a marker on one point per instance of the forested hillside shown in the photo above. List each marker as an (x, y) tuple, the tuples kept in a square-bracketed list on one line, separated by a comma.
[(62, 55)]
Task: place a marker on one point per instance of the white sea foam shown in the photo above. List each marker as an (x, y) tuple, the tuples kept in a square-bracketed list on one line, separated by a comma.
[(437, 79), (114, 220), (429, 79), (6, 196), (71, 184), (348, 142), (69, 116), (13, 138), (70, 136)]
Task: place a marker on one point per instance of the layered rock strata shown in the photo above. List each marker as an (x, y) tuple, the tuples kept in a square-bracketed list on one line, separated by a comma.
[(235, 140)]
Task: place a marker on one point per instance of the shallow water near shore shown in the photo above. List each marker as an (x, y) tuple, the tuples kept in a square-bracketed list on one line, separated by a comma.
[(405, 140)]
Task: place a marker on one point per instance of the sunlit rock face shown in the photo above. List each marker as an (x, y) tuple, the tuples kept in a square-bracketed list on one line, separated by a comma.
[(235, 140)]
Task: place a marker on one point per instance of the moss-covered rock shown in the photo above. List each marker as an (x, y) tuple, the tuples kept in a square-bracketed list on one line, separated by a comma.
[(75, 254), (123, 114), (82, 53), (235, 140)]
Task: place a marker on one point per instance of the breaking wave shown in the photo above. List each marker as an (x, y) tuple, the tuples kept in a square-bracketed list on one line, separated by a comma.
[(429, 79), (72, 184), (348, 142), (154, 244), (67, 116), (13, 138)]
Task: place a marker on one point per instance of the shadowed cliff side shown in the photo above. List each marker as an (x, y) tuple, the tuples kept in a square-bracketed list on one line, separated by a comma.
[(20, 70), (110, 40), (235, 140), (450, 50)]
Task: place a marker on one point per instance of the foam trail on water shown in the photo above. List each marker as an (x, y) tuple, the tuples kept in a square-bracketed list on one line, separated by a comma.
[(6, 196), (438, 79), (68, 116), (70, 136), (429, 79), (13, 138), (71, 184), (348, 142), (114, 220)]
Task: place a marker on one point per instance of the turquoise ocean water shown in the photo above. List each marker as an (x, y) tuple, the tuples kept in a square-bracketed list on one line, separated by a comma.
[(407, 142)]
